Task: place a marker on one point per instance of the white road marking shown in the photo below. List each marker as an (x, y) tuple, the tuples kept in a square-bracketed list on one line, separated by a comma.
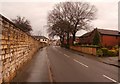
[(80, 63), (66, 55), (109, 78)]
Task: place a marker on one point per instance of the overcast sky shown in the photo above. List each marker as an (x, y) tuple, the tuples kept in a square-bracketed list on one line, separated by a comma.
[(37, 10)]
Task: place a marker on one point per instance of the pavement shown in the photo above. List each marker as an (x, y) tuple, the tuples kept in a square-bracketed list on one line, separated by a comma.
[(35, 70), (110, 60)]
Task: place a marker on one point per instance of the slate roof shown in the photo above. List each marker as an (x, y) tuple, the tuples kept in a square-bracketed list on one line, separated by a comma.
[(108, 32), (103, 32)]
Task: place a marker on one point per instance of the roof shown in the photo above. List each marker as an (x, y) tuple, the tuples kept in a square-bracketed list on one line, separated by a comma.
[(86, 34), (103, 32), (40, 37), (108, 32)]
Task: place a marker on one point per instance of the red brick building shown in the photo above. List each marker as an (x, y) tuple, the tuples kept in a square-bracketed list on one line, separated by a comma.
[(108, 38)]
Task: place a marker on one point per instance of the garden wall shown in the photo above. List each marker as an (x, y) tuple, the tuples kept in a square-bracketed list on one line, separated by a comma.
[(88, 50)]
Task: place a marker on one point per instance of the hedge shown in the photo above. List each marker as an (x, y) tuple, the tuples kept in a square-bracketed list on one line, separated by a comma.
[(106, 52)]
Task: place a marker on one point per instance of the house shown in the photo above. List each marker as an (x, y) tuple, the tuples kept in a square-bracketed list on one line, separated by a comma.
[(108, 38), (42, 39)]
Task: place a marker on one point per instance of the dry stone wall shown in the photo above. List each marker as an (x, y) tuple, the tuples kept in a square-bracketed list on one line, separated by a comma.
[(16, 48)]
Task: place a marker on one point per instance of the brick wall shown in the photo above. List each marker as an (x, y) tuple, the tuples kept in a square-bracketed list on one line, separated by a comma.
[(16, 48), (87, 50), (109, 40)]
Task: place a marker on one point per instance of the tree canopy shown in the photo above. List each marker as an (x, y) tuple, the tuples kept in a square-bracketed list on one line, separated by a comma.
[(70, 17), (96, 39), (23, 24)]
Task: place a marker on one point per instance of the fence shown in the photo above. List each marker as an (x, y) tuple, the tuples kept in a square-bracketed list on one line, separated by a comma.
[(16, 48), (88, 50)]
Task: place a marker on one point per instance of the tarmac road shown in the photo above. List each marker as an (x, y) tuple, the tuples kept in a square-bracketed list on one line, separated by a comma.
[(71, 67), (56, 64)]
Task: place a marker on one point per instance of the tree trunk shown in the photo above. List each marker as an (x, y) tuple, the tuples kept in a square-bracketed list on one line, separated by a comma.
[(67, 40), (62, 40), (73, 38), (74, 32)]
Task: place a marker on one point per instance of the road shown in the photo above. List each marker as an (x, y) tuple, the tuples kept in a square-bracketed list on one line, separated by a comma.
[(56, 64)]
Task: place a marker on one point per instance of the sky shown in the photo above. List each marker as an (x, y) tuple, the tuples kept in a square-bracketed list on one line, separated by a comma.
[(36, 11)]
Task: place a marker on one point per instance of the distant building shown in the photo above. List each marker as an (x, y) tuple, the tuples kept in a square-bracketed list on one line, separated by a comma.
[(108, 38), (42, 39)]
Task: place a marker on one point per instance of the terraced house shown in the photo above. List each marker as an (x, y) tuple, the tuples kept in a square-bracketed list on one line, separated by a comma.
[(108, 38)]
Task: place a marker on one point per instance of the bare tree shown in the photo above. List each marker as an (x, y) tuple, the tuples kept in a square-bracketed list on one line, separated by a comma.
[(58, 24), (59, 29), (23, 24), (78, 15)]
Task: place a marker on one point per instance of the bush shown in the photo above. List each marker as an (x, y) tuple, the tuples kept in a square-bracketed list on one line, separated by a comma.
[(92, 46), (99, 52), (105, 51), (116, 47), (76, 44), (67, 46), (117, 50), (112, 53)]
